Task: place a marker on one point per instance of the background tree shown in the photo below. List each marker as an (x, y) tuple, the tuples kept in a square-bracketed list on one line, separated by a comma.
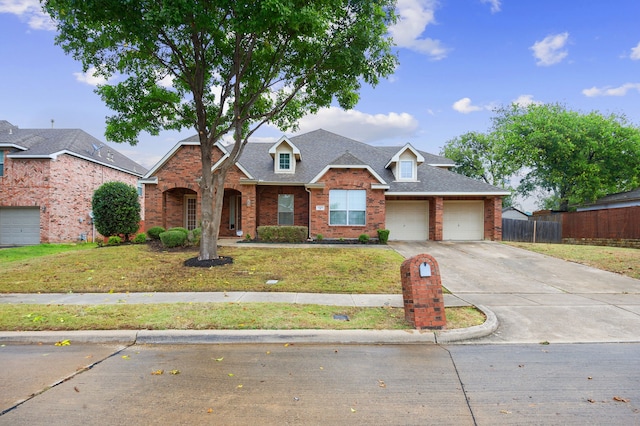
[(575, 157), (475, 156), (224, 66), (116, 209)]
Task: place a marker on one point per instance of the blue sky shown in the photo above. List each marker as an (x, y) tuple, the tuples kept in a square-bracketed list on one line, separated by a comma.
[(459, 59)]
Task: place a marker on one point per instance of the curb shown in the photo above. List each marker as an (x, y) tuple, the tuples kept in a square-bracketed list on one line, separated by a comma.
[(183, 337)]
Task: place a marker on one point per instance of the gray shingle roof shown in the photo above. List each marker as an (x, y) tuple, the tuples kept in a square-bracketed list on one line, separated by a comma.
[(321, 148), (47, 143)]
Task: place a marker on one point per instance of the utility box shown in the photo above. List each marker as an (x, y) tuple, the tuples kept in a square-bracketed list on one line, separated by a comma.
[(422, 293)]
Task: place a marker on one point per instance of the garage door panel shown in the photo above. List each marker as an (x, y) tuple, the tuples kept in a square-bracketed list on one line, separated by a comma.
[(463, 220), (19, 226), (407, 220)]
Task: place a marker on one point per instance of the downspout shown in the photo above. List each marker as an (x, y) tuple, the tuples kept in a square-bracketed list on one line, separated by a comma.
[(310, 210)]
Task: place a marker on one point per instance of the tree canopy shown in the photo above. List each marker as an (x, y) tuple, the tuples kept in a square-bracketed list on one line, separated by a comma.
[(225, 66), (575, 157)]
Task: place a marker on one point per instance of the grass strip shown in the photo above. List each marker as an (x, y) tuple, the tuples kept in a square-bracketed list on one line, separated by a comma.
[(213, 316)]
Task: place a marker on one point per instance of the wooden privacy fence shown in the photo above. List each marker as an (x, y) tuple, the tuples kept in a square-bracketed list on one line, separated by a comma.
[(530, 231)]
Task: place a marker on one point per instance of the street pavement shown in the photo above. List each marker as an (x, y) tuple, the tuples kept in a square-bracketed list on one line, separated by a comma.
[(311, 384)]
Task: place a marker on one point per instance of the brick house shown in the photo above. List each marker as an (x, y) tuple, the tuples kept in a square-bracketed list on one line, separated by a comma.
[(47, 180), (336, 186)]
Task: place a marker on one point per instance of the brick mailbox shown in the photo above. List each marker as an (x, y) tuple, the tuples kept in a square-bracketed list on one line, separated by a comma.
[(422, 292)]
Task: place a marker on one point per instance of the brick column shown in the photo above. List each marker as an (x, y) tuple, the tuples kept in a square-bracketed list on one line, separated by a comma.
[(436, 206), (422, 292)]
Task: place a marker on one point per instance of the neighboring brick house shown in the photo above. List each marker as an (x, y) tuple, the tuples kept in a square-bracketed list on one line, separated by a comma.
[(337, 187), (47, 180)]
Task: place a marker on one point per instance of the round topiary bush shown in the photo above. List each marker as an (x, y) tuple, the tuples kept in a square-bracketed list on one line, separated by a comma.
[(363, 238)]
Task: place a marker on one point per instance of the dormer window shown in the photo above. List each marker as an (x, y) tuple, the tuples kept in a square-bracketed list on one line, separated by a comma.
[(284, 161), (406, 170), (285, 155), (404, 164)]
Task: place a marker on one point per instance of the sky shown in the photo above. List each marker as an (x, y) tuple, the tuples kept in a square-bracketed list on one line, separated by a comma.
[(458, 61)]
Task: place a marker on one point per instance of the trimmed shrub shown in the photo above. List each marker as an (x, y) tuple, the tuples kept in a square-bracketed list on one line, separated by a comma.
[(173, 238), (283, 234), (319, 237), (363, 238), (383, 236), (114, 241), (154, 233), (141, 238), (116, 209), (183, 230)]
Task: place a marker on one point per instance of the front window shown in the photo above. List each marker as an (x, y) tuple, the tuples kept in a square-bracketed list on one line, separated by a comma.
[(1, 163), (284, 161), (285, 209), (190, 212), (347, 207), (406, 169)]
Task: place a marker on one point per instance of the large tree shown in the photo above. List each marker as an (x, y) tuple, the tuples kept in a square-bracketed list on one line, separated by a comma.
[(576, 157), (475, 155), (231, 65)]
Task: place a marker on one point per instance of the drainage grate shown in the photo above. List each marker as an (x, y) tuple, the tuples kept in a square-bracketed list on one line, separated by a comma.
[(341, 317)]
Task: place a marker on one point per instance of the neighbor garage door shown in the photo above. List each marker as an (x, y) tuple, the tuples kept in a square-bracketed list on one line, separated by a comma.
[(19, 226), (463, 220), (408, 220)]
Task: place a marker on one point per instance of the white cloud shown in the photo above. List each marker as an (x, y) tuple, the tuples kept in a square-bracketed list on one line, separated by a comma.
[(495, 5), (464, 106), (29, 11), (525, 100), (361, 126), (611, 91), (550, 50), (414, 17), (90, 77), (635, 53)]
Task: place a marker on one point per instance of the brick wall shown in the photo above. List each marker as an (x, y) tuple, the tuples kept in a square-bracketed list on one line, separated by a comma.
[(267, 210), (164, 201), (347, 179), (62, 188), (493, 219)]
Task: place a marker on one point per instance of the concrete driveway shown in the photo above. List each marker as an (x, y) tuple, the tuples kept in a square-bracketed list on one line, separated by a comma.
[(536, 298)]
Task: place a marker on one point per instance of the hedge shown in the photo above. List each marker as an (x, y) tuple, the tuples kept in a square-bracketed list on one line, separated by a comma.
[(283, 234)]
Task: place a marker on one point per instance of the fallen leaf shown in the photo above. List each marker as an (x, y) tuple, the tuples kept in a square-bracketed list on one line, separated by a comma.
[(591, 401), (174, 372), (589, 378), (321, 368), (286, 344), (157, 372), (239, 386), (125, 356), (230, 374), (210, 410), (521, 365), (620, 399), (219, 359), (381, 383), (505, 412), (544, 343), (63, 343), (75, 388), (268, 352), (353, 410)]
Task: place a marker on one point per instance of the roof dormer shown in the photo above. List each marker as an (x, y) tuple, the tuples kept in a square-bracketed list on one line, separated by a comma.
[(404, 164), (285, 155)]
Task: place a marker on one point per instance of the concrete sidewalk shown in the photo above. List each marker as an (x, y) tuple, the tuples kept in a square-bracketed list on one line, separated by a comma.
[(356, 300)]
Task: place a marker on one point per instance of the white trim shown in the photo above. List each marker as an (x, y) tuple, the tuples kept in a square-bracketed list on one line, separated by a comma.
[(284, 139), (446, 194), (359, 166), (54, 156), (168, 156), (396, 156)]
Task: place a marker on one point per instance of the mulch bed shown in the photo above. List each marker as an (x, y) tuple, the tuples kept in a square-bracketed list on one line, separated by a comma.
[(208, 263)]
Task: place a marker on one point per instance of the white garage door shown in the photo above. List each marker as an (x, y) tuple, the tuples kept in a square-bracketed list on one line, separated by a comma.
[(408, 220), (19, 226), (463, 220)]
